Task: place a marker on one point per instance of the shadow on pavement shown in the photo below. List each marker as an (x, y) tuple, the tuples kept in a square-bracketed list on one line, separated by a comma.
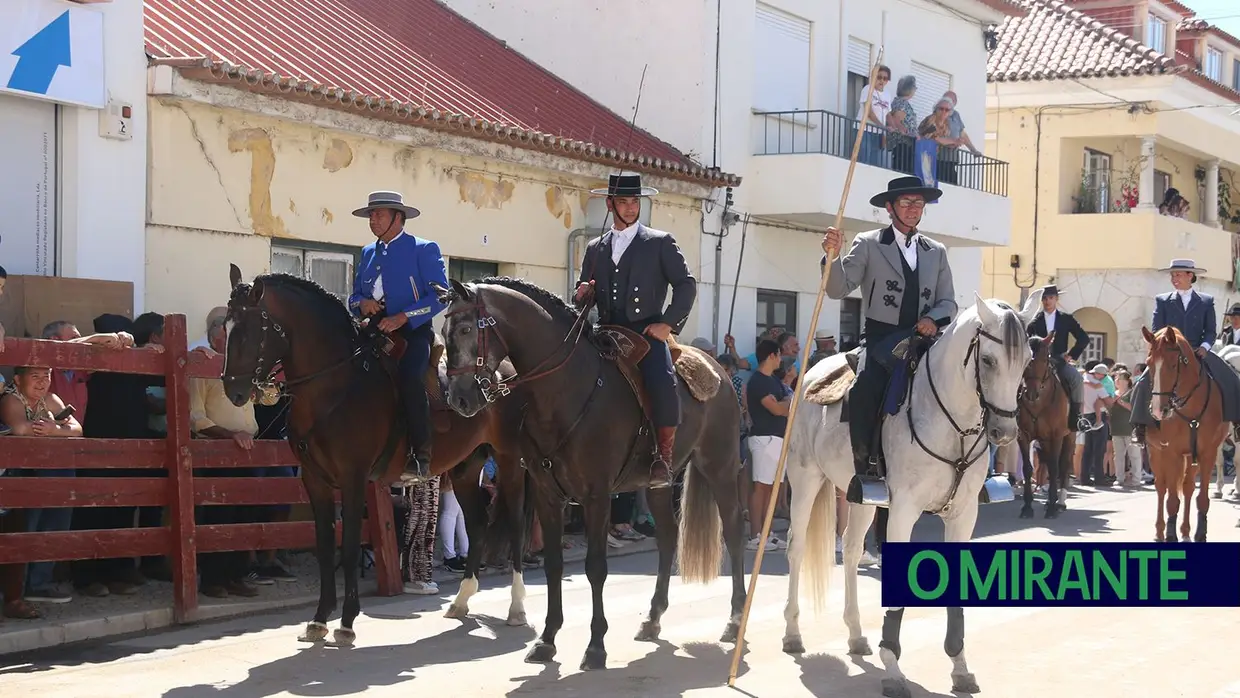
[(663, 672), (827, 675)]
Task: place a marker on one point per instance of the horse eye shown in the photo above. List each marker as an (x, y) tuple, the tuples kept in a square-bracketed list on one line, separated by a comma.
[(987, 361)]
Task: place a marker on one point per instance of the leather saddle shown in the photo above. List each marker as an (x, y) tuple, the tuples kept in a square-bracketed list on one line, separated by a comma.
[(626, 349), (902, 365)]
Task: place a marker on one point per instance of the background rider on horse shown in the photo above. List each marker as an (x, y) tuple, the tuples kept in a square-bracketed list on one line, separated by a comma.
[(627, 271), (1052, 319), (907, 288), (393, 283), (1193, 314)]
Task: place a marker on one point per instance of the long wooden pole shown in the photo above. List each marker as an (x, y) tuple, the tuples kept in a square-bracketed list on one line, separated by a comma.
[(796, 394)]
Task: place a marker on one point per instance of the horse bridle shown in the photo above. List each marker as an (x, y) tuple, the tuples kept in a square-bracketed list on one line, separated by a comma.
[(493, 389), (1176, 402), (961, 464), (262, 380)]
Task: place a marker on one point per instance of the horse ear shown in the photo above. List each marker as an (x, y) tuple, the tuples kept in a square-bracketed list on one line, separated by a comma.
[(234, 275), (461, 290), (984, 311), (1149, 336), (1032, 304), (443, 294), (256, 292), (1050, 337)]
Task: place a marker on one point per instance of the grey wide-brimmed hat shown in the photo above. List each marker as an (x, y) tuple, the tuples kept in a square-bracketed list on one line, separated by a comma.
[(625, 185), (1184, 265), (1235, 310), (386, 199)]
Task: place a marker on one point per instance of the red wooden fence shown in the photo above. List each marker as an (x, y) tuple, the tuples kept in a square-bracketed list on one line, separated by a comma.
[(179, 491)]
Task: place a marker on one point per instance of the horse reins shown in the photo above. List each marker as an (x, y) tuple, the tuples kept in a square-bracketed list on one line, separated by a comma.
[(961, 464), (1177, 402)]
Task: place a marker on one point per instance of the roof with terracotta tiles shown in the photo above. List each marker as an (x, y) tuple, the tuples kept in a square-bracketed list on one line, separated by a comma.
[(1053, 41), (405, 60)]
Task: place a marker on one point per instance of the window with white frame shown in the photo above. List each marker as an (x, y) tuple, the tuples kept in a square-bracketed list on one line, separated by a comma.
[(1235, 75), (1162, 182), (330, 268), (777, 309), (850, 324), (858, 74), (781, 60), (1156, 34), (1214, 64), (1095, 350), (931, 84), (1096, 185)]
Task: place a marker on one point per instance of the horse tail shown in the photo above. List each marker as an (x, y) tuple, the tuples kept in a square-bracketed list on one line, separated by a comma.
[(498, 536), (701, 530), (820, 544)]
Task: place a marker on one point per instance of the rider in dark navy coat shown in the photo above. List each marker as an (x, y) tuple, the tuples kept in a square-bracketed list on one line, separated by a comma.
[(629, 270), (394, 281), (1064, 326), (1193, 314)]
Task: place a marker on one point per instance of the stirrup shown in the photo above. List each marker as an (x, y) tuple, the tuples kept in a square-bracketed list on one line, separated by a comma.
[(998, 488), (419, 473), (660, 483), (869, 490)]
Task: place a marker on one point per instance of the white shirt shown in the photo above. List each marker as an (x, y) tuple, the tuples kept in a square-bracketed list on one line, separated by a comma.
[(382, 247), (1050, 320), (1185, 298), (908, 247), (881, 104), (620, 240)]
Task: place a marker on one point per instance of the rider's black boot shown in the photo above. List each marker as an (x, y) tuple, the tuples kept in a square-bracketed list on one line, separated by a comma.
[(866, 486)]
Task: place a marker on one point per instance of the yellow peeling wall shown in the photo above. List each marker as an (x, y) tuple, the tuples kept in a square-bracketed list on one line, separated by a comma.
[(224, 183)]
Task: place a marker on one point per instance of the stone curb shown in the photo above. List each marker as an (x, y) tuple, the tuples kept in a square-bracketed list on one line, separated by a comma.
[(13, 641)]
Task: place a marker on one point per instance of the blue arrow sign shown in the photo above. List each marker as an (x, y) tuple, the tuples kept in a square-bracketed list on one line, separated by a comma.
[(41, 56)]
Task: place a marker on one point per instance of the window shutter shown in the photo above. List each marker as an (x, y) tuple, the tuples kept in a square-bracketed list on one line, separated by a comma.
[(931, 84), (781, 60), (859, 57)]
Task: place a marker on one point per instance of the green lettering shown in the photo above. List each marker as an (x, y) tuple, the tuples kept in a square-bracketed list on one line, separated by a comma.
[(944, 576), (1015, 590), (1166, 575), (1039, 577), (970, 576), (1102, 568), (1143, 558), (1073, 576)]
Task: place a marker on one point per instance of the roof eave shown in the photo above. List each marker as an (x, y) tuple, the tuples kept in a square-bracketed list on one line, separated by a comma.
[(260, 82)]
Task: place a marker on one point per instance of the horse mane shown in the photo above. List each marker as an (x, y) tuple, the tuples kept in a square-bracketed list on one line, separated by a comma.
[(548, 301), (334, 310)]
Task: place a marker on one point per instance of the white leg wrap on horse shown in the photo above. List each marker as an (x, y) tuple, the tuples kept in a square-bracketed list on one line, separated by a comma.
[(516, 610)]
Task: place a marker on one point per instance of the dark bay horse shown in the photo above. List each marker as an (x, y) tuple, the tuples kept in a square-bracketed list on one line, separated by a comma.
[(1043, 417), (345, 427), (1185, 439), (584, 437)]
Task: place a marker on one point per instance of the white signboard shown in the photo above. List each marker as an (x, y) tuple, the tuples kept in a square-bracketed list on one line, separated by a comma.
[(27, 186), (52, 50)]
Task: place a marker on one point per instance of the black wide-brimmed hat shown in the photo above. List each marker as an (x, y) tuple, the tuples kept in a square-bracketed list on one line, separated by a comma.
[(905, 185), (1050, 290), (625, 185), (1235, 310), (386, 199)]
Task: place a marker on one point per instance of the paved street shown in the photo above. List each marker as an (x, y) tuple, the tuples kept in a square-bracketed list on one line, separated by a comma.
[(405, 645)]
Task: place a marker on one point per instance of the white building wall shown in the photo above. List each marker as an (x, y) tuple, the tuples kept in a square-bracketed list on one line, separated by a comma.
[(677, 40), (91, 190)]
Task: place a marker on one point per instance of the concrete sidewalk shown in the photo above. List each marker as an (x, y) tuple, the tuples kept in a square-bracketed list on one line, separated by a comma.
[(87, 618)]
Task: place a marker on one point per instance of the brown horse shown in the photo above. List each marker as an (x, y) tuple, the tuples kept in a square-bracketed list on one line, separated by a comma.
[(1185, 439), (1043, 417), (585, 436), (344, 426)]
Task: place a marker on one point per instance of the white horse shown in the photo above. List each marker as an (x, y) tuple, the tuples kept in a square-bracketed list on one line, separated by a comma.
[(985, 350), (1230, 354)]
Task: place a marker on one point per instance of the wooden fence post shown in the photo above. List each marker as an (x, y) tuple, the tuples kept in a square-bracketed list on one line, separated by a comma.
[(383, 538), (183, 554)]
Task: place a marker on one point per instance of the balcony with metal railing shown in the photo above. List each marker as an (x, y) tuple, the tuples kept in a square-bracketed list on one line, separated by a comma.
[(800, 165), (828, 133)]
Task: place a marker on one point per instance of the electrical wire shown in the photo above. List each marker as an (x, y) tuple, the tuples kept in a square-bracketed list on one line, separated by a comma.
[(737, 283)]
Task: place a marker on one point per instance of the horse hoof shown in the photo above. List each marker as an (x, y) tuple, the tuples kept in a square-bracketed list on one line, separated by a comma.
[(965, 683), (1052, 512), (1026, 512), (315, 632), (860, 647), (517, 620), (455, 611), (540, 653), (594, 660), (649, 632), (731, 633), (344, 637), (896, 688), (1199, 538), (794, 645)]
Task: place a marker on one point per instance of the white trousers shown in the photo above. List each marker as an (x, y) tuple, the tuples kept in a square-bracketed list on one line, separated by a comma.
[(452, 531), (1127, 460)]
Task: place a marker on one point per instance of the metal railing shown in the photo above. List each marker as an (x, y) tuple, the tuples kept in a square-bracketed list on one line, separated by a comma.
[(828, 133)]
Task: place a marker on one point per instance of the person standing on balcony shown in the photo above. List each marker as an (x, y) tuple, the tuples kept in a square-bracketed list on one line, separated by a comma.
[(902, 125), (1052, 319), (1191, 313), (875, 120)]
